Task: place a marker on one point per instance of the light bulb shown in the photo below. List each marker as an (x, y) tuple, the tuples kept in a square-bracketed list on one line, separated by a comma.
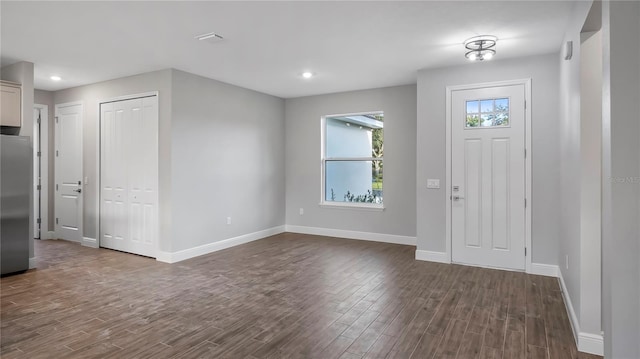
[(488, 56), (307, 75), (473, 57)]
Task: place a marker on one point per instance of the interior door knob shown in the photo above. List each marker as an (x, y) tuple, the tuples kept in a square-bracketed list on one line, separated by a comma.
[(77, 190), (457, 198)]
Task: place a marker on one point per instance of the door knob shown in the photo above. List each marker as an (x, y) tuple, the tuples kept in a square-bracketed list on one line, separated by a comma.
[(457, 198), (77, 190)]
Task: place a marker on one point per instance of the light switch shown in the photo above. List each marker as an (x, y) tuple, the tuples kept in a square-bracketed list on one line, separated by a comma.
[(433, 183)]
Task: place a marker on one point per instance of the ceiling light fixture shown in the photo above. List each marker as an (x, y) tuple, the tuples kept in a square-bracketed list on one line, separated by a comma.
[(55, 78), (307, 74), (480, 47), (209, 35)]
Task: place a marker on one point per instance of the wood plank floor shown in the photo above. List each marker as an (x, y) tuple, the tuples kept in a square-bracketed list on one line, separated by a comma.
[(287, 296)]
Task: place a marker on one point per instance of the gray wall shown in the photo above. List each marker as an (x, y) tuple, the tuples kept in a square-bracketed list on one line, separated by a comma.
[(590, 181), (22, 73), (621, 190), (570, 157), (221, 153), (227, 161), (432, 83), (42, 97), (303, 132), (90, 95)]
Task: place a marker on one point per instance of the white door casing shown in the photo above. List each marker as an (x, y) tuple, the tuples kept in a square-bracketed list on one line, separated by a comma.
[(129, 175), (44, 170), (488, 185), (68, 171), (36, 173)]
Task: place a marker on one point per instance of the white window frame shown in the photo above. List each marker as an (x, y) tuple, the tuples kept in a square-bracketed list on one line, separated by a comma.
[(324, 159), (494, 112)]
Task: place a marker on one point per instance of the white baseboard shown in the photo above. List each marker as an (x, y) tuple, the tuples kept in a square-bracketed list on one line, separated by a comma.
[(51, 235), (573, 318), (89, 242), (429, 256), (591, 343), (548, 270), (586, 342), (165, 257), (173, 257), (364, 236), (32, 262)]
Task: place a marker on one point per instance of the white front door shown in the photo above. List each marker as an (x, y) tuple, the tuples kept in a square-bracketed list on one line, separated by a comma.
[(129, 175), (68, 171), (488, 176)]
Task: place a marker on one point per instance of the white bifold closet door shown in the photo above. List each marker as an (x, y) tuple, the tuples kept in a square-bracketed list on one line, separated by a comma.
[(129, 175)]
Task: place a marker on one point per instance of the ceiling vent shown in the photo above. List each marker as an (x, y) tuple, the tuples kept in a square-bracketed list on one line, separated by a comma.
[(210, 37)]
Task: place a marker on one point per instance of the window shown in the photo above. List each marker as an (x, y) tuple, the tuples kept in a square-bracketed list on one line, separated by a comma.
[(352, 159), (488, 113)]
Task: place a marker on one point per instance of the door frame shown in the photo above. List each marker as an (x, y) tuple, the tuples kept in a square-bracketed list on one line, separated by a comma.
[(44, 170), (55, 166), (96, 244), (527, 144)]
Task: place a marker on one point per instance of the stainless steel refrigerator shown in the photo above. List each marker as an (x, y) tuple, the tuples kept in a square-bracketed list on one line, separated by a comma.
[(15, 184)]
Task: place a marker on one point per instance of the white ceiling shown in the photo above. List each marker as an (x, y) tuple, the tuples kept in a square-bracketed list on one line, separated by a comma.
[(268, 44)]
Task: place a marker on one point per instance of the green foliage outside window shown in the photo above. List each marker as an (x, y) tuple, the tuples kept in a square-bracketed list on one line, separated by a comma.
[(377, 151)]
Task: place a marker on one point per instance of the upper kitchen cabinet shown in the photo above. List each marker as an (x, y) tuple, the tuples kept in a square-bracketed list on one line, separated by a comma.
[(10, 104)]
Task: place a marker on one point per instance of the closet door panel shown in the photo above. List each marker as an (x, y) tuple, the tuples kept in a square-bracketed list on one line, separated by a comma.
[(106, 174), (130, 168), (149, 175), (120, 174)]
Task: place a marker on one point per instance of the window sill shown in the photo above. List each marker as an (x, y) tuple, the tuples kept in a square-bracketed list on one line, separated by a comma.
[(344, 205)]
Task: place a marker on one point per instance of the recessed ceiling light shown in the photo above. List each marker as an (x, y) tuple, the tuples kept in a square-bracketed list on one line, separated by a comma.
[(209, 35), (307, 74), (55, 78)]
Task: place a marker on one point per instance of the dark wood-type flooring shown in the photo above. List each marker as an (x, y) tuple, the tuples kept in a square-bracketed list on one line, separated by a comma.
[(287, 296)]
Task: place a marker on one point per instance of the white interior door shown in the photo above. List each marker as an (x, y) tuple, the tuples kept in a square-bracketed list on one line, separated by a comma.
[(488, 176), (68, 171), (129, 175)]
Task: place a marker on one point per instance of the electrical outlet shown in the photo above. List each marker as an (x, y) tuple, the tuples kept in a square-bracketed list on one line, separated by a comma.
[(301, 211), (228, 220), (433, 183), (566, 261)]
